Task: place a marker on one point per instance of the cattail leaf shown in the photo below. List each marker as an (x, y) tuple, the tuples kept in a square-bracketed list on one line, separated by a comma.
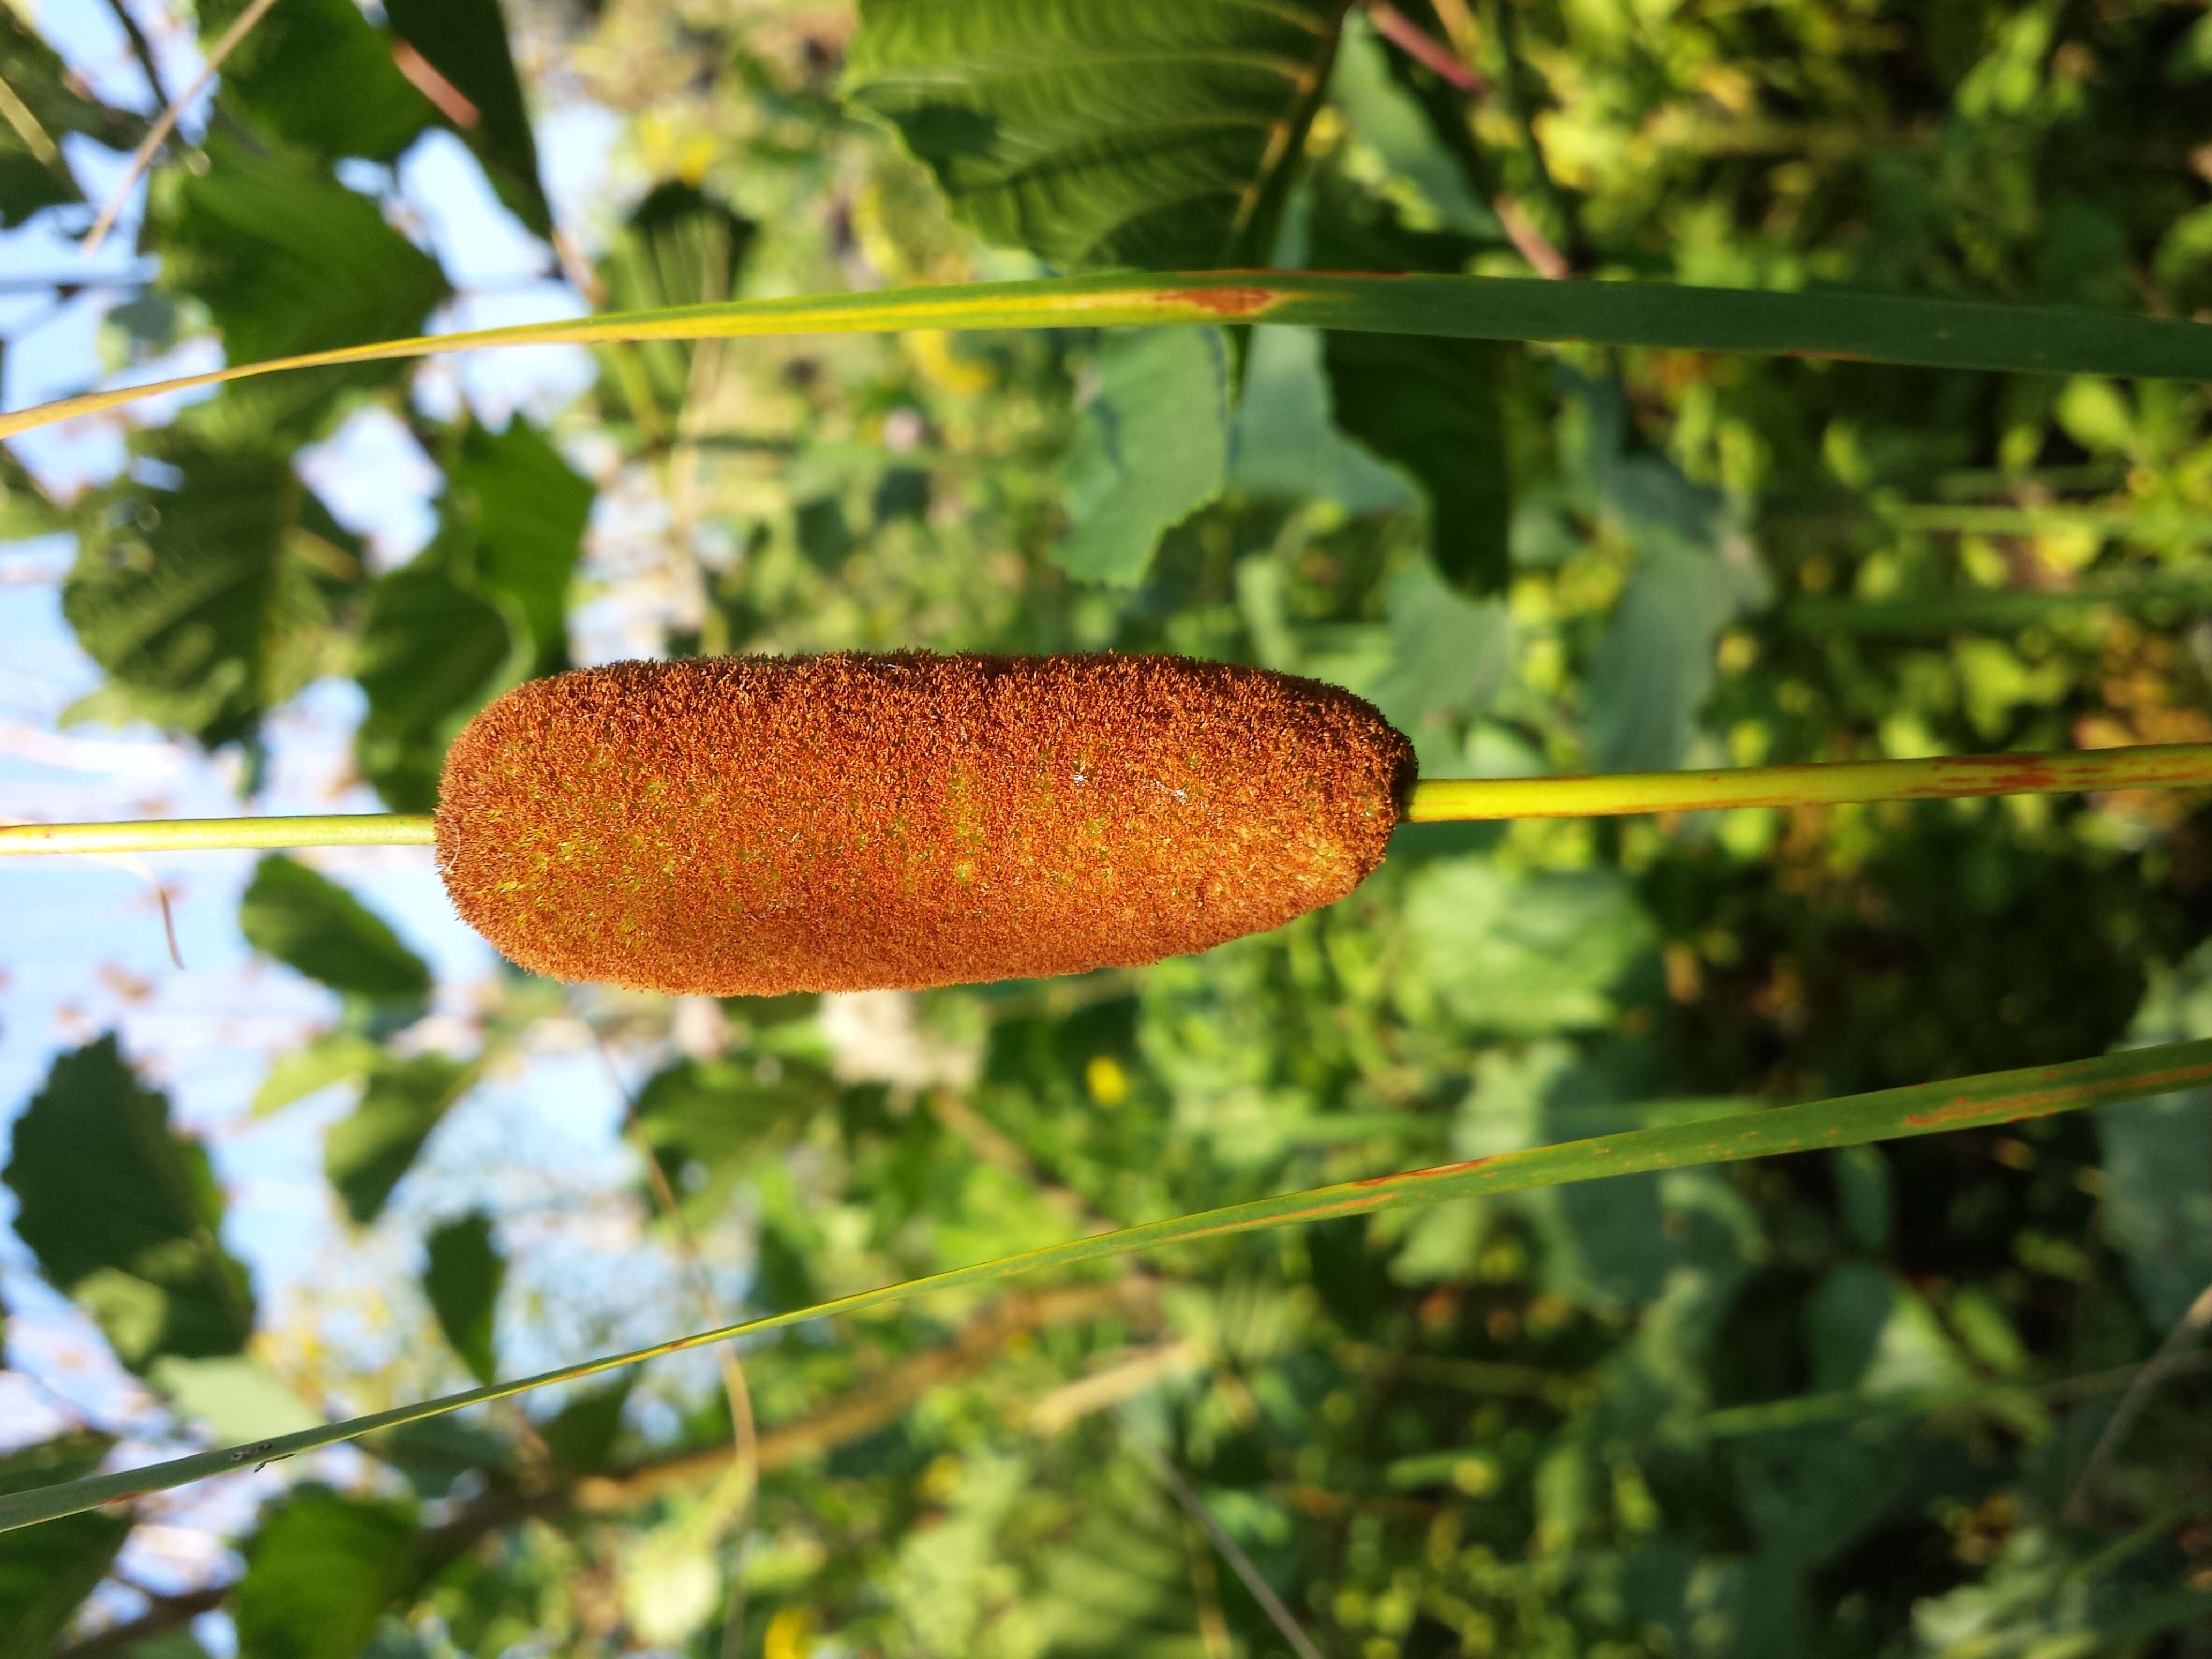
[(1855, 1120), (1881, 328)]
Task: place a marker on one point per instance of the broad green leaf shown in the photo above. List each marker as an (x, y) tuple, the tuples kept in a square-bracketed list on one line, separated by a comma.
[(364, 1155), (1155, 133), (1876, 328), (1654, 664), (338, 1058), (286, 259), (581, 1435), (319, 1574), (45, 1574), (1286, 443), (25, 510), (43, 103), (211, 603), (463, 1281), (308, 922), (1521, 952), (235, 1396), (464, 41), (1151, 446), (709, 1122), (2158, 1158), (1434, 408), (122, 1212), (1449, 656), (320, 74), (1383, 116), (1855, 1120), (1867, 1331), (521, 510), (431, 652)]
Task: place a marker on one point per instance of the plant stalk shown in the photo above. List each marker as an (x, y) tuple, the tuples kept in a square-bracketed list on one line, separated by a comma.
[(1434, 800)]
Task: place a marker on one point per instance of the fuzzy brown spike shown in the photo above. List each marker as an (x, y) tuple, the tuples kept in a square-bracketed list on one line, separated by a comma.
[(754, 825)]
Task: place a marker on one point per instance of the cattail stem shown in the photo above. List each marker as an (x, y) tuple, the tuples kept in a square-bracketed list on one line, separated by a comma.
[(207, 835), (1944, 778), (1435, 800)]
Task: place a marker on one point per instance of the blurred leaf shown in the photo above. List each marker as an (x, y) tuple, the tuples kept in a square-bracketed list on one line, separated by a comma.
[(1870, 1333), (1383, 115), (43, 102), (1449, 656), (310, 923), (25, 510), (2158, 1158), (338, 1058), (581, 1435), (1286, 443), (47, 1571), (366, 1154), (1150, 448), (1434, 407), (464, 41), (318, 74), (240, 1399), (432, 652), (463, 1281), (709, 1122), (286, 259), (319, 1574), (1521, 952), (1654, 666), (1121, 1584), (522, 511), (213, 602), (1146, 133), (122, 1214), (679, 246)]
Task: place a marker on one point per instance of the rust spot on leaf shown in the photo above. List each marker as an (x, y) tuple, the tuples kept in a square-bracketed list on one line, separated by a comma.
[(1225, 301), (1429, 1173)]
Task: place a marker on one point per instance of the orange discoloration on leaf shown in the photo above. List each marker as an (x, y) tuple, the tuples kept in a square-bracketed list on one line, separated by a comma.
[(1226, 302)]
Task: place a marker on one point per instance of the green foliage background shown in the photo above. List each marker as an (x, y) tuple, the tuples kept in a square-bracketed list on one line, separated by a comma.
[(1840, 1404)]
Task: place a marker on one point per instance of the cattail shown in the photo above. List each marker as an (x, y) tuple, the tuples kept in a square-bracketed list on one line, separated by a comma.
[(759, 825)]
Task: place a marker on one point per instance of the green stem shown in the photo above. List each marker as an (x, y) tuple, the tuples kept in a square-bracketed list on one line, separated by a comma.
[(1434, 800), (1948, 777), (208, 834)]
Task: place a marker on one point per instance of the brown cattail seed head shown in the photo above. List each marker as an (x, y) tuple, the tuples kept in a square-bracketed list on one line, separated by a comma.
[(754, 825)]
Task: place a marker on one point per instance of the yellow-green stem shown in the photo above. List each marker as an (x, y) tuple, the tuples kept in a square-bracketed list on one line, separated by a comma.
[(1434, 800), (1944, 778), (208, 834)]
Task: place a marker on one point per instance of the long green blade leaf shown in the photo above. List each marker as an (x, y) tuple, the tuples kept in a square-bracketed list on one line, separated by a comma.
[(1892, 1114), (1870, 327)]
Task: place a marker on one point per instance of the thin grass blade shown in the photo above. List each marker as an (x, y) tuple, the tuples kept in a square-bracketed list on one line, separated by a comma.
[(1855, 1120), (1866, 327)]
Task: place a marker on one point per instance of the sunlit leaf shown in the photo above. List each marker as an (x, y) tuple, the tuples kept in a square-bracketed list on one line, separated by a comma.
[(709, 1122), (122, 1212), (319, 1574), (464, 42), (45, 1574), (210, 602), (462, 1280), (307, 921), (1150, 444), (318, 74), (520, 510), (432, 651), (364, 1154), (1153, 132)]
